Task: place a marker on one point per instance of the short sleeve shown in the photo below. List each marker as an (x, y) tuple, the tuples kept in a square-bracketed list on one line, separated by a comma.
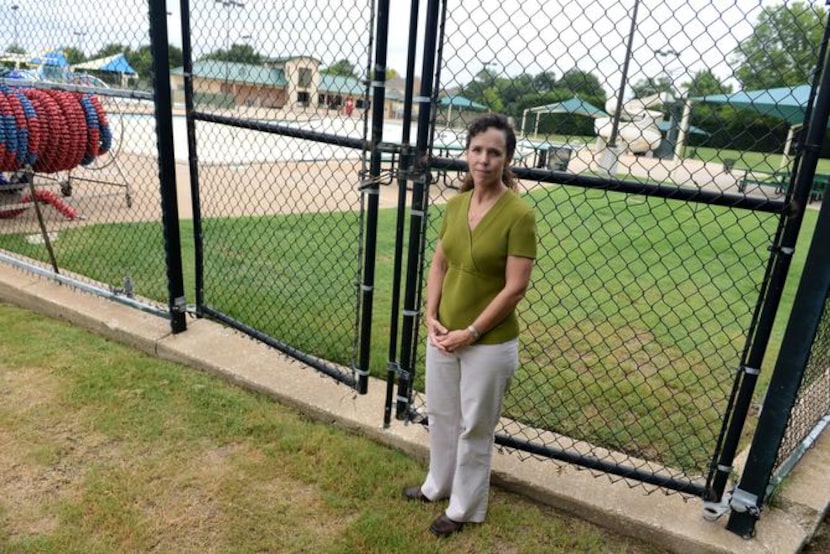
[(522, 238)]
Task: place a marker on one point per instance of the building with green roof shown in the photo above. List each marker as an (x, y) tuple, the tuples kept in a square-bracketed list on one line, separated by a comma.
[(278, 83)]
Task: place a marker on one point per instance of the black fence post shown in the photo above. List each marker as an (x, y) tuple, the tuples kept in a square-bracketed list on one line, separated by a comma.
[(167, 164), (193, 159), (417, 220), (372, 190), (404, 174), (808, 306), (782, 257), (748, 496)]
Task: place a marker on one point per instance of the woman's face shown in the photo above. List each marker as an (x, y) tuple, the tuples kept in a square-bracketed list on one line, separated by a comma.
[(487, 156)]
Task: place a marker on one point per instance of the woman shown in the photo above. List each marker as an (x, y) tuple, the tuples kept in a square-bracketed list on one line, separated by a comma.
[(479, 273)]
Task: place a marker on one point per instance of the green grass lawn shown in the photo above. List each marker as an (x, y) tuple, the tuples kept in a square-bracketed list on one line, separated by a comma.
[(109, 450), (634, 324)]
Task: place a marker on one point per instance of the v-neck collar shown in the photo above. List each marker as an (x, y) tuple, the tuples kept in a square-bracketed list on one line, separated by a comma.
[(486, 216)]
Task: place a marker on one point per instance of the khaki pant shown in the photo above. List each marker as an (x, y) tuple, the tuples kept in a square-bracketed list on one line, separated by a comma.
[(464, 393)]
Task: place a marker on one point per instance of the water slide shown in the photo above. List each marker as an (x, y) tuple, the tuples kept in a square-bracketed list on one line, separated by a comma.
[(637, 131)]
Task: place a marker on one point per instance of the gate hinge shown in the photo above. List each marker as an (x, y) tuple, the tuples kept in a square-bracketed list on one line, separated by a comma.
[(180, 305), (745, 502), (398, 370), (714, 510), (393, 367)]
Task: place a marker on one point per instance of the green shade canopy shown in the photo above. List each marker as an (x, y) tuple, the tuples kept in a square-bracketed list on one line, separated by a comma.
[(573, 105), (787, 103), (461, 102)]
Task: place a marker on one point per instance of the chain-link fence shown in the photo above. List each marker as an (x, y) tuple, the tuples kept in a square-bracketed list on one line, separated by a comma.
[(656, 144), (79, 180), (278, 99), (811, 412)]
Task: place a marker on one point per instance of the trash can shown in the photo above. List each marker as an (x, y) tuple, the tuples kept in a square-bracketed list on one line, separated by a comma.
[(559, 157)]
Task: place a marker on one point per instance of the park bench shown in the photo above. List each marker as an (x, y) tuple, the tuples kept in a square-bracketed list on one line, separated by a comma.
[(779, 181)]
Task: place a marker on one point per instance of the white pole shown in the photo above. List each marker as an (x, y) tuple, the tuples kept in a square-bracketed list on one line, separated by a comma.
[(524, 118), (785, 157), (680, 147)]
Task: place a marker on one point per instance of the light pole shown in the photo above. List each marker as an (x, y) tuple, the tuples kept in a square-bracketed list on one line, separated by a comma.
[(666, 53), (610, 157), (228, 4), (247, 38), (15, 8), (80, 35)]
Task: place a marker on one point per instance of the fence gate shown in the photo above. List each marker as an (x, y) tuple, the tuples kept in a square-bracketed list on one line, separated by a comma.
[(284, 192), (663, 248), (665, 235)]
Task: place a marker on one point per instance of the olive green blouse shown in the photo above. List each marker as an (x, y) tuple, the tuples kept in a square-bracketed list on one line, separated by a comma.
[(477, 259)]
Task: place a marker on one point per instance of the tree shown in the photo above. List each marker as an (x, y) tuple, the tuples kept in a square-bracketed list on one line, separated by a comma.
[(545, 81), (236, 53), (112, 49), (343, 68), (73, 55), (705, 82), (583, 84), (783, 48), (391, 74), (650, 85), (142, 60)]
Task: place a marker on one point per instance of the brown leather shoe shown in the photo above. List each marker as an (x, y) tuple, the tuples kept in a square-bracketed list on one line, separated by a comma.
[(444, 527), (414, 493)]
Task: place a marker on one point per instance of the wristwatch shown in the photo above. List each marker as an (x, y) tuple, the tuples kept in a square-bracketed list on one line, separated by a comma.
[(474, 332)]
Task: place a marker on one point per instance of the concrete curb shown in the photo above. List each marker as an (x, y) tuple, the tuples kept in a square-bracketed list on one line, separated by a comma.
[(665, 520)]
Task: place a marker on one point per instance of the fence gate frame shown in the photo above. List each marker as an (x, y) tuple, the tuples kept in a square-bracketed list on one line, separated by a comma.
[(369, 188), (415, 166)]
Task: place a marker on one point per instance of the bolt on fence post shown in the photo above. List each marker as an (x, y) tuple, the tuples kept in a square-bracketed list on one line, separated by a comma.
[(167, 163)]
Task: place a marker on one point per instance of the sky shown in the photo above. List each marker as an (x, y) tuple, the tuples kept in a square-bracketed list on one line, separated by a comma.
[(506, 36)]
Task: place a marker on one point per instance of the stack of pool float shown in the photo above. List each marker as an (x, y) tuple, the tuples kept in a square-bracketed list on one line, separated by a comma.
[(47, 131)]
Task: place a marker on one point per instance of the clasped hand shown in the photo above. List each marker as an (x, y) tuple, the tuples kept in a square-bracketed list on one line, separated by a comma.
[(445, 340)]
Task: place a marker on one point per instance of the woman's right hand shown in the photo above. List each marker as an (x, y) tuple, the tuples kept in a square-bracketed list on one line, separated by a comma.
[(435, 329)]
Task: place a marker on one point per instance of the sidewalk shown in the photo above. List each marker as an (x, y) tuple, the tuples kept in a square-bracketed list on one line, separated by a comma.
[(667, 521)]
